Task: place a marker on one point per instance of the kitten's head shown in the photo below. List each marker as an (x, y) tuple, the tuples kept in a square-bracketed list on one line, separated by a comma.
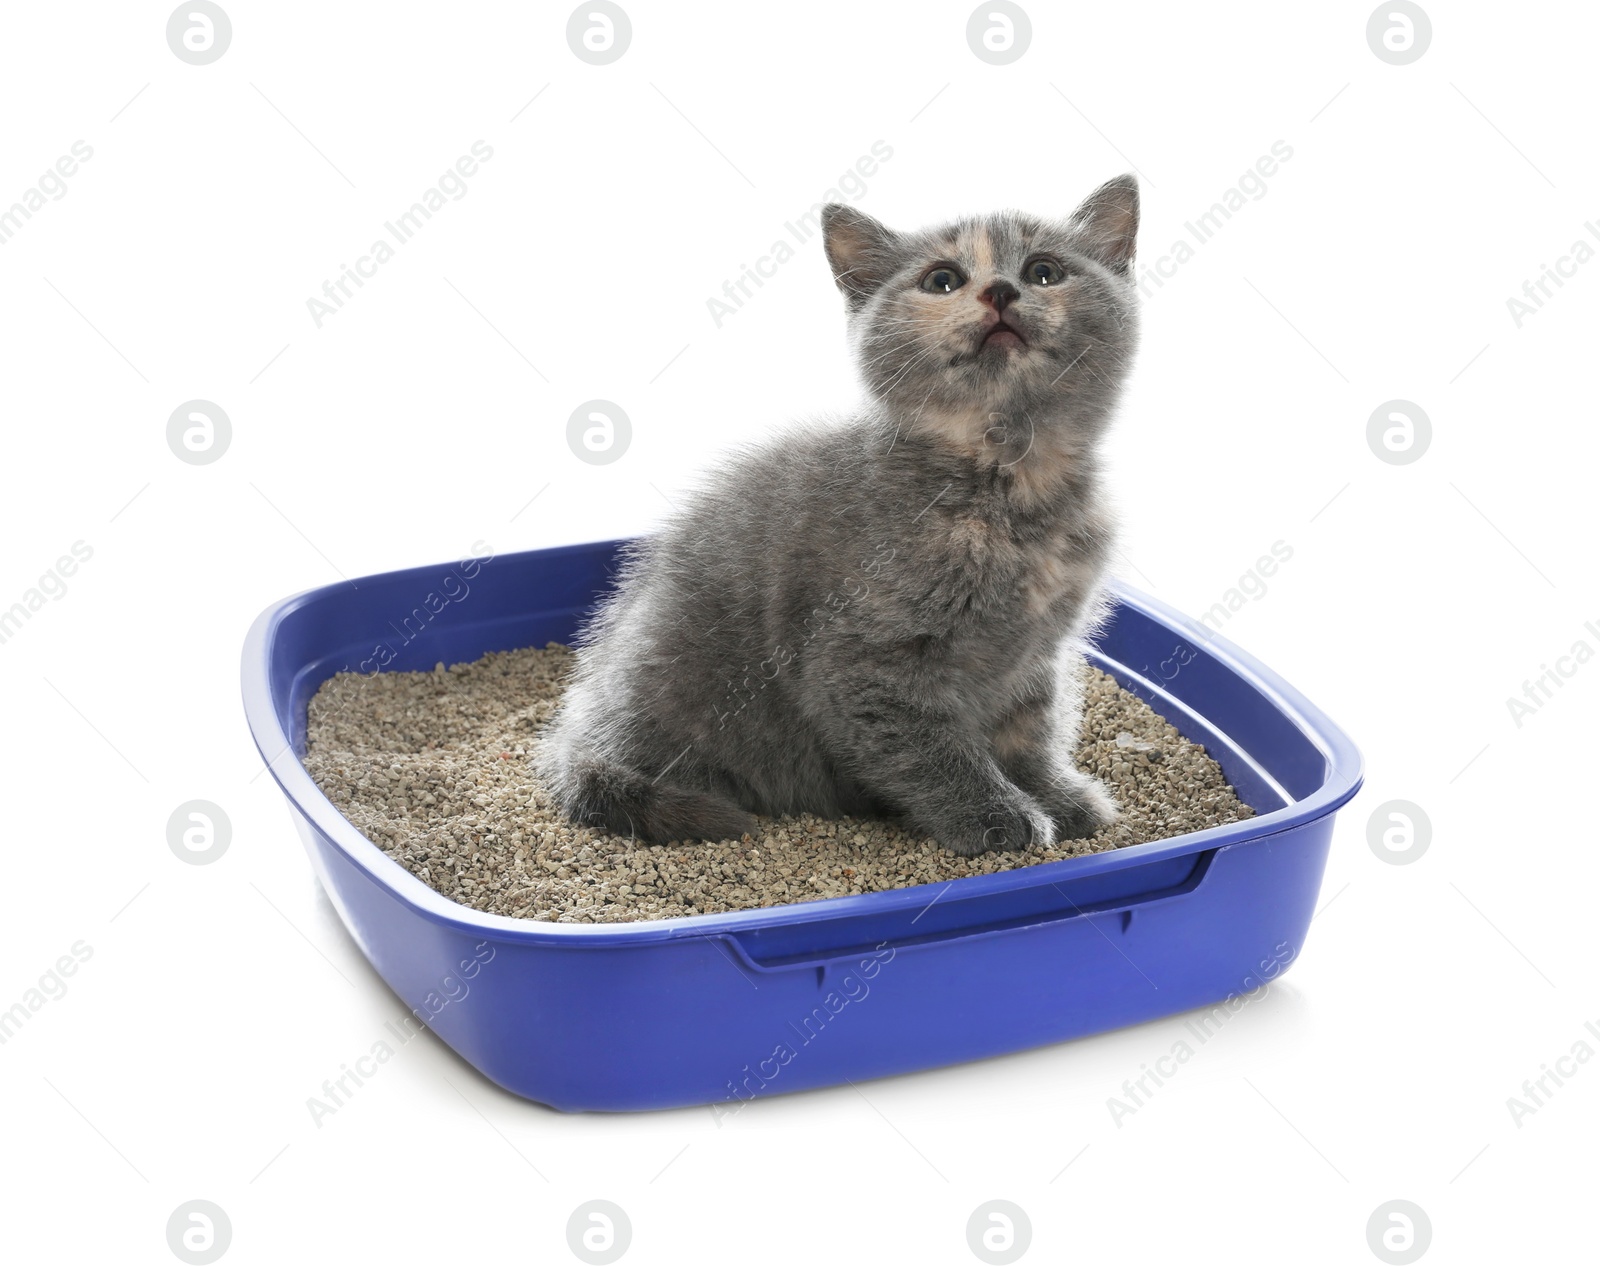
[(1003, 320)]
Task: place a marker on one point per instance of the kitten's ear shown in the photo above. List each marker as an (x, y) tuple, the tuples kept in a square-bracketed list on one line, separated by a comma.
[(1108, 222), (860, 251)]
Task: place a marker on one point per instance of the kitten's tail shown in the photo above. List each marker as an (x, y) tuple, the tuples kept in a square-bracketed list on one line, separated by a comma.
[(595, 792)]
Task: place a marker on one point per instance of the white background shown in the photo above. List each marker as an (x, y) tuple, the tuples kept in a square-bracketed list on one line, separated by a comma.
[(428, 412)]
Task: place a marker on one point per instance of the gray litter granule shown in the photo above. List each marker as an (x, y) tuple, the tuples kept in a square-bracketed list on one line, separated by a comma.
[(433, 767)]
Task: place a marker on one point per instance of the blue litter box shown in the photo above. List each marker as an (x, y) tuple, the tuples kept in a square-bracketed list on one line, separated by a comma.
[(723, 1008)]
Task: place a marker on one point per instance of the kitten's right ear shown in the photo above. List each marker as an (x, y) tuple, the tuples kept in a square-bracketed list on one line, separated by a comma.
[(860, 251)]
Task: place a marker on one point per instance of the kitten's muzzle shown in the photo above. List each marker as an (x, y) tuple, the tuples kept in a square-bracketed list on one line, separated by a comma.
[(997, 296), (1000, 331)]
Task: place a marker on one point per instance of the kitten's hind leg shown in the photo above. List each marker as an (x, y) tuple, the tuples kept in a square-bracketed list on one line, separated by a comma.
[(1033, 746), (597, 792)]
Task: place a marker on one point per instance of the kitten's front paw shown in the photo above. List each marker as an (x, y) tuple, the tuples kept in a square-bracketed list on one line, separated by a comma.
[(1078, 805), (1006, 825)]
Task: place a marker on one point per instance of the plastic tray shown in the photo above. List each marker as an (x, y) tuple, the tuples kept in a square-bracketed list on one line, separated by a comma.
[(722, 1008)]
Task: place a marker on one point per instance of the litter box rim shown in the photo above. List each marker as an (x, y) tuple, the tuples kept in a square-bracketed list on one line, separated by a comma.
[(1341, 782)]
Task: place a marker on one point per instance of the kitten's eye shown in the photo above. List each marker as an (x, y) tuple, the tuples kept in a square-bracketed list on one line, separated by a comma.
[(1043, 272), (942, 280)]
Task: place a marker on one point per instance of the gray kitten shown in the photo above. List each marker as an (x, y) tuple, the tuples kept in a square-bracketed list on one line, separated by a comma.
[(878, 617)]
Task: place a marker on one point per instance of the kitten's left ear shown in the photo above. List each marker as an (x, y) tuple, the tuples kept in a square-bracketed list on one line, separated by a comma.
[(1108, 222), (860, 251)]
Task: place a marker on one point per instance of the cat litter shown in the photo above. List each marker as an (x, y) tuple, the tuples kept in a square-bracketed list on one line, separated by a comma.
[(434, 768)]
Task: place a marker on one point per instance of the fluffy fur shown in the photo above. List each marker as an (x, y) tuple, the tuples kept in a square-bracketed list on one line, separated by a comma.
[(879, 615)]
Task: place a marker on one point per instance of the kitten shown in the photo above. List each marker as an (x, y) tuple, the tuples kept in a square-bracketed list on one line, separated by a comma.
[(881, 617)]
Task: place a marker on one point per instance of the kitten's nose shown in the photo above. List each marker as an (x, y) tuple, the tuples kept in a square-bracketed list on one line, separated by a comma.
[(998, 293)]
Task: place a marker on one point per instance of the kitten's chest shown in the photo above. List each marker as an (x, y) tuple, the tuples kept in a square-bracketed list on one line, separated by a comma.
[(1055, 583), (1023, 575)]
